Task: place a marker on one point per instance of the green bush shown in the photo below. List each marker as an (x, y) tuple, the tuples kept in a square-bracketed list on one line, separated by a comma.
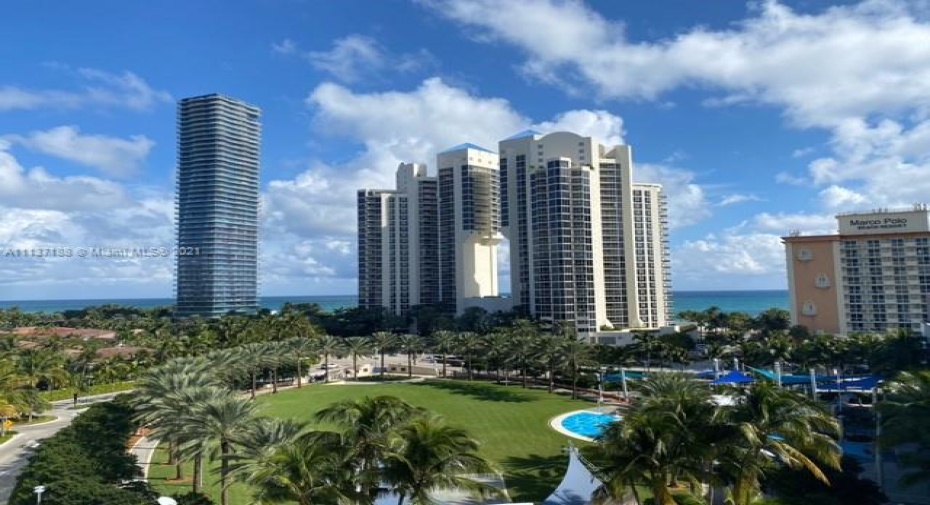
[(86, 463)]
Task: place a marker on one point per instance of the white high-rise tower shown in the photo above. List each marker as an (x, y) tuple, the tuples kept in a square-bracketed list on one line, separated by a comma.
[(581, 247), (469, 223), (398, 242)]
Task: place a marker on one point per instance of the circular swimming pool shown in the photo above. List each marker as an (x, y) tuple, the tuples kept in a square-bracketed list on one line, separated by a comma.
[(587, 425)]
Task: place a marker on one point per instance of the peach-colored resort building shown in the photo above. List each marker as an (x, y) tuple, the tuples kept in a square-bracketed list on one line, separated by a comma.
[(872, 276)]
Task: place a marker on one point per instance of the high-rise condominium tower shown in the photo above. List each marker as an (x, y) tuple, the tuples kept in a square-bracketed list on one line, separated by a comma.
[(398, 258), (586, 243), (217, 206), (432, 239), (469, 223)]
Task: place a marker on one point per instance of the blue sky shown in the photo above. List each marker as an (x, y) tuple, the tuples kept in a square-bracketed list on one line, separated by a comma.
[(758, 118)]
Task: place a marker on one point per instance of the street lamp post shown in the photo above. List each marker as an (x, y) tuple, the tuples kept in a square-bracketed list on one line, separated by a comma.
[(38, 491)]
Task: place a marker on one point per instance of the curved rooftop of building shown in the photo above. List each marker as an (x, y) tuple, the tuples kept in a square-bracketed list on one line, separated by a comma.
[(466, 145)]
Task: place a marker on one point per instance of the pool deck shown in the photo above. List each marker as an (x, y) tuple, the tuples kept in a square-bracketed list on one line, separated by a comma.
[(556, 422)]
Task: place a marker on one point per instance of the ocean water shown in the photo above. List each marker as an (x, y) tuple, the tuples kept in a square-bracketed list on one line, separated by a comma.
[(751, 302)]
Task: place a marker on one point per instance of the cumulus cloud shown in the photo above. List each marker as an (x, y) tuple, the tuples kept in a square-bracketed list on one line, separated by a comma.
[(600, 124), (758, 259), (98, 89), (44, 211), (838, 198), (821, 67), (37, 189), (111, 155), (687, 202)]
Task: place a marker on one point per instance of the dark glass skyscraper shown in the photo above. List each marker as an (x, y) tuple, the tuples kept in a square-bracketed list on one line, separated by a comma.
[(217, 206)]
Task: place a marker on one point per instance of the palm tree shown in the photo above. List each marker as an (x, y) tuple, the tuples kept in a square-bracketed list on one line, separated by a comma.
[(260, 443), (433, 455), (577, 355), (383, 341), (367, 426), (301, 348), (222, 422), (356, 347), (523, 339), (42, 366), (277, 352), (311, 469), (410, 344), (329, 345), (667, 436), (254, 358), (443, 340), (905, 415), (550, 354), (768, 422), (165, 397), (497, 347), (469, 342)]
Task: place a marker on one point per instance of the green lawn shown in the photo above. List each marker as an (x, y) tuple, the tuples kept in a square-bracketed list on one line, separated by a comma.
[(512, 423)]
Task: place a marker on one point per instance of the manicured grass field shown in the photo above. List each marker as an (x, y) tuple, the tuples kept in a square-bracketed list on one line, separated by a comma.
[(512, 423)]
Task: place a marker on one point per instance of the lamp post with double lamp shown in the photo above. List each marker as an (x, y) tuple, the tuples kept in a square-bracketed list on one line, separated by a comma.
[(38, 491)]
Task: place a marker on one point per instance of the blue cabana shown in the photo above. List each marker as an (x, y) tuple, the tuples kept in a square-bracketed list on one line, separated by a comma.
[(732, 377)]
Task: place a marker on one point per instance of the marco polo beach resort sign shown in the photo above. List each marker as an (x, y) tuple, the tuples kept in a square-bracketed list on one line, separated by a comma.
[(884, 222)]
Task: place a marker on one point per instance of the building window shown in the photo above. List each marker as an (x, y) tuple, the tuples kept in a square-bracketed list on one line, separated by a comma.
[(822, 281), (809, 309), (805, 255)]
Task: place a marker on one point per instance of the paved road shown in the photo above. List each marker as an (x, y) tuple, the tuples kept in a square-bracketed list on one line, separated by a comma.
[(14, 454)]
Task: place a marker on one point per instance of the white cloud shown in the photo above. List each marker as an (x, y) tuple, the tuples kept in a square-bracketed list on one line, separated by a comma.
[(286, 46), (712, 262), (349, 58), (687, 203), (111, 155), (356, 57), (802, 152), (783, 223), (738, 198), (839, 198), (47, 212), (100, 89), (786, 178), (37, 189), (821, 67), (600, 124)]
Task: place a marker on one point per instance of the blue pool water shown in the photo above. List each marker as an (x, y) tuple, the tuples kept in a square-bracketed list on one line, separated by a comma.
[(588, 424), (858, 450)]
